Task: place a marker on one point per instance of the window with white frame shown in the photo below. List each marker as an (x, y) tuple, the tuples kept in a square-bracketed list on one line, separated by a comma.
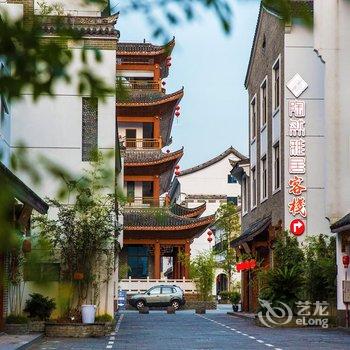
[(253, 118), (253, 189), (276, 84), (245, 194), (263, 103), (276, 166), (263, 179)]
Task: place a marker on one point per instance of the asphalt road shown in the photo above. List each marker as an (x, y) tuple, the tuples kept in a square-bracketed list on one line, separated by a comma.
[(215, 330)]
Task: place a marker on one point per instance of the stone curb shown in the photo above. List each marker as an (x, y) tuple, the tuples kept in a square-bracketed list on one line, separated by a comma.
[(30, 343), (241, 315)]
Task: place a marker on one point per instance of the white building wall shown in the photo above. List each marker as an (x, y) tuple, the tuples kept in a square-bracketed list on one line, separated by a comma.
[(52, 128), (211, 180), (301, 58), (332, 28)]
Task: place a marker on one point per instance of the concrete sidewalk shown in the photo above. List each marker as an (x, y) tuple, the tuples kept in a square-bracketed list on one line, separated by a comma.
[(14, 342)]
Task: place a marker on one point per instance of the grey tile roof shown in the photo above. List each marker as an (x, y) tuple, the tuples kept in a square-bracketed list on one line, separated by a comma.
[(187, 212), (344, 221), (212, 161), (252, 231), (21, 191), (137, 156)]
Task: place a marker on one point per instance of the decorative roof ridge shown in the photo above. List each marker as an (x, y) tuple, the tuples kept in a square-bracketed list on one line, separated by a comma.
[(140, 48), (230, 150), (180, 210), (162, 99), (85, 25), (235, 163)]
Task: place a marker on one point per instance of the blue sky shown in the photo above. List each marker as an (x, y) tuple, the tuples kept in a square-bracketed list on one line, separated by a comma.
[(211, 66)]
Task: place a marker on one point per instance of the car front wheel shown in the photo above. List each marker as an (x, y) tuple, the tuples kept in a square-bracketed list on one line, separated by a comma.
[(140, 304), (175, 304)]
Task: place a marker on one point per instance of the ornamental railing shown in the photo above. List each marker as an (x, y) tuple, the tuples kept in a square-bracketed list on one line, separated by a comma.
[(144, 143), (148, 85), (139, 285)]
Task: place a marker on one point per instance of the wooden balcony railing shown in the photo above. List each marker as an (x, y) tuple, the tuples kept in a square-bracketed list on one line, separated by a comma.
[(147, 85), (142, 143), (144, 202)]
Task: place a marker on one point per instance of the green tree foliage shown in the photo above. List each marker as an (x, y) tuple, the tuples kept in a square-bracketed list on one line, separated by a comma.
[(320, 269), (284, 281), (202, 270), (228, 221), (84, 233)]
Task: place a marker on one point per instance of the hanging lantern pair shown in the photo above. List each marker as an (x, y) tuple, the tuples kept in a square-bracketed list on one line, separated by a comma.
[(210, 238), (168, 61)]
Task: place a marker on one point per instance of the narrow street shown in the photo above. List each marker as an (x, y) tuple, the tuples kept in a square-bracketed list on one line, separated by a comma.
[(215, 330)]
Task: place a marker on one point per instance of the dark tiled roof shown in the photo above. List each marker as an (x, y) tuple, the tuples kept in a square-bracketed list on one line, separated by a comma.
[(136, 157), (150, 98), (85, 25), (161, 219), (21, 191), (344, 221), (146, 49), (212, 161), (252, 231), (187, 212)]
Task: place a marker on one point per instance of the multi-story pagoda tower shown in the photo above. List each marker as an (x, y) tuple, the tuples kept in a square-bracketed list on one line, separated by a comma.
[(145, 117)]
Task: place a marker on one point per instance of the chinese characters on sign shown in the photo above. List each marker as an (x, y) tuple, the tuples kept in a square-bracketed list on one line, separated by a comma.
[(297, 158)]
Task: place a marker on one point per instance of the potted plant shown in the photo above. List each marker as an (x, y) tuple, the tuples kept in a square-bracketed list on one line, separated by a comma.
[(235, 298)]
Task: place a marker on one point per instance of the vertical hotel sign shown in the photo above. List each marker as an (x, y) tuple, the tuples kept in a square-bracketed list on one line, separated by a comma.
[(297, 205)]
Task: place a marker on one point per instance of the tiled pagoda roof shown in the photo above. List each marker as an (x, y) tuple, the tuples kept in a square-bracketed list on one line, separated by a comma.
[(188, 212), (136, 157), (85, 25), (144, 105), (341, 224), (150, 98), (144, 49), (161, 219)]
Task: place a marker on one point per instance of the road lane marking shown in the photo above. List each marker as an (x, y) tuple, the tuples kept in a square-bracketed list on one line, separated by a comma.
[(241, 333)]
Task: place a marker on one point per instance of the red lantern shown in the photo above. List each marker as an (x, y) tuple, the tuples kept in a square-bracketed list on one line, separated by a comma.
[(177, 172), (177, 166), (177, 113), (346, 261), (177, 108), (210, 232), (26, 246), (78, 276), (209, 239), (168, 58), (168, 64)]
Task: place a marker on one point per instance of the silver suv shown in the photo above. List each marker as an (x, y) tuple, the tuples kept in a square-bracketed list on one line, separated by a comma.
[(163, 295)]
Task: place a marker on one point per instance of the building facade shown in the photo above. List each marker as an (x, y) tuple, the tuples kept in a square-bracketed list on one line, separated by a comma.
[(283, 185), (67, 127)]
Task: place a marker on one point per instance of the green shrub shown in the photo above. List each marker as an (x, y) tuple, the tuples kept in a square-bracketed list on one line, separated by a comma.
[(104, 318), (235, 297), (39, 306), (225, 295), (16, 319)]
